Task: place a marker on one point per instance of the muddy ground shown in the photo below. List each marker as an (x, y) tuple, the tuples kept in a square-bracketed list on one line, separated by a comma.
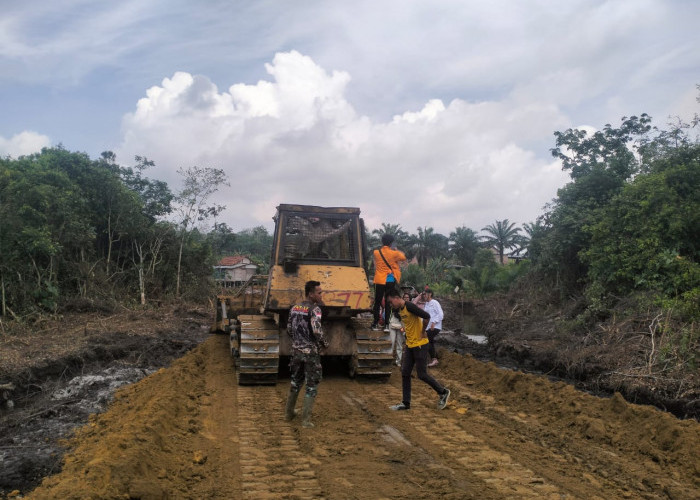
[(65, 369), (188, 431)]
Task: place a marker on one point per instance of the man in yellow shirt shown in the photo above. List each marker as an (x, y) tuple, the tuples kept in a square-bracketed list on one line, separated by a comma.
[(415, 320), (387, 275)]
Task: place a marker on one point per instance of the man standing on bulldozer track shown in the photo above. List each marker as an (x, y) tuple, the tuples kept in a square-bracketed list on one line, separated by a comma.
[(304, 327), (387, 275)]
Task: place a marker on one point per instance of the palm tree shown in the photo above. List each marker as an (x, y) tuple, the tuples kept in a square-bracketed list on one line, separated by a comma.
[(402, 237), (429, 244), (464, 244), (436, 270), (502, 236), (532, 230)]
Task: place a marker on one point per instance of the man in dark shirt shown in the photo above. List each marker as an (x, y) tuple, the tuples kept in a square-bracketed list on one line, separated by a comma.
[(304, 327), (415, 320)]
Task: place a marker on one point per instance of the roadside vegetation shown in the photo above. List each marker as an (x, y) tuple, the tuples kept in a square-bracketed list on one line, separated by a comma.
[(612, 265)]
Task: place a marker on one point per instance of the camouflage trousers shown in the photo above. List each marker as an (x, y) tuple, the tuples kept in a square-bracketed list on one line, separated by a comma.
[(306, 366)]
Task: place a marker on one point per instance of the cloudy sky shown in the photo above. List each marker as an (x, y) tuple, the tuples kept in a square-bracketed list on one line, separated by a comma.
[(421, 113)]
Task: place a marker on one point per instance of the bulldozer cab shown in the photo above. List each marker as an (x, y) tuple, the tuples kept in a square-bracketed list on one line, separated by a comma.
[(314, 235), (325, 244)]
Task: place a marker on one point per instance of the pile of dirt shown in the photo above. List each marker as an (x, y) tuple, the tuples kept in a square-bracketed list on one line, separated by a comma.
[(63, 371)]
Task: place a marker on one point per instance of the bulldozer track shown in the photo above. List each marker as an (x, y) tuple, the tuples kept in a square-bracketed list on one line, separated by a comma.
[(467, 453), (258, 351), (272, 463), (374, 350)]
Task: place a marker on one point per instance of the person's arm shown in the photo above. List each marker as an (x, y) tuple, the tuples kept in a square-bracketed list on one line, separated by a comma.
[(439, 316), (429, 309), (417, 311), (289, 322), (316, 326)]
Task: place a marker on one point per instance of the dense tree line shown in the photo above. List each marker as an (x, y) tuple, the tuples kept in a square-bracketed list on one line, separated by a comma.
[(627, 223), (629, 220), (75, 230)]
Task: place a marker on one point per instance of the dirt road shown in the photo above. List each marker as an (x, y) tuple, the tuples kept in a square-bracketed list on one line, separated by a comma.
[(189, 431)]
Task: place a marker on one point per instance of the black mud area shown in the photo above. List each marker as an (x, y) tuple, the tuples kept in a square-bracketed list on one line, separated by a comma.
[(52, 397)]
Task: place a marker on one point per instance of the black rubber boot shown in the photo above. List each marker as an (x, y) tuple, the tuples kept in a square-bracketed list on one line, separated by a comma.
[(290, 412), (306, 411)]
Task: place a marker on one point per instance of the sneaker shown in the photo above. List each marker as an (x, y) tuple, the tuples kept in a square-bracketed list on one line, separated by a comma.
[(386, 330), (375, 328), (433, 362), (400, 406), (442, 402)]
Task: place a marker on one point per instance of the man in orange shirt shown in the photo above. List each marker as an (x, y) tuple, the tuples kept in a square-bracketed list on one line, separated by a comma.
[(387, 275)]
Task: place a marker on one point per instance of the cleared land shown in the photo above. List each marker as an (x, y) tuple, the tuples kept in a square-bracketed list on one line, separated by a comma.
[(189, 431)]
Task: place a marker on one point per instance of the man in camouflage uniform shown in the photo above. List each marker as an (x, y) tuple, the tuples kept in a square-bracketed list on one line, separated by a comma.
[(304, 327)]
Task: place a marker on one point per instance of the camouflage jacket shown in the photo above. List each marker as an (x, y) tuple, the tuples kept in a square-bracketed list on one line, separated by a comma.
[(304, 327)]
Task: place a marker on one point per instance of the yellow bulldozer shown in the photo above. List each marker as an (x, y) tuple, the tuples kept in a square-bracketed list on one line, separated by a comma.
[(310, 243)]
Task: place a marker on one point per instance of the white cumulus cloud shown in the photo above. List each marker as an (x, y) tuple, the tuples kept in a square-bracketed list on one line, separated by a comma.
[(296, 138), (24, 143)]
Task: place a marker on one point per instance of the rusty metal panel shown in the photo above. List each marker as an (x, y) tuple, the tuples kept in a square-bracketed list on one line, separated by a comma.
[(259, 334), (259, 348), (374, 346), (314, 209), (342, 286)]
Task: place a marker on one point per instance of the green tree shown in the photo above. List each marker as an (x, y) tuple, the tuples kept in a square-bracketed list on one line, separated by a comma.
[(401, 237), (436, 270), (610, 149), (648, 236), (502, 235), (599, 165), (256, 243), (464, 243), (413, 275), (222, 239), (199, 184), (428, 244)]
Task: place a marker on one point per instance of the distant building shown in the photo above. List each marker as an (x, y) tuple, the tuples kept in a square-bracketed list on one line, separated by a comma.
[(497, 258), (234, 270)]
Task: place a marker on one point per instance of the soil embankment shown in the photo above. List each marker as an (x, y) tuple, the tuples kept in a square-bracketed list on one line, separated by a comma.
[(615, 355)]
